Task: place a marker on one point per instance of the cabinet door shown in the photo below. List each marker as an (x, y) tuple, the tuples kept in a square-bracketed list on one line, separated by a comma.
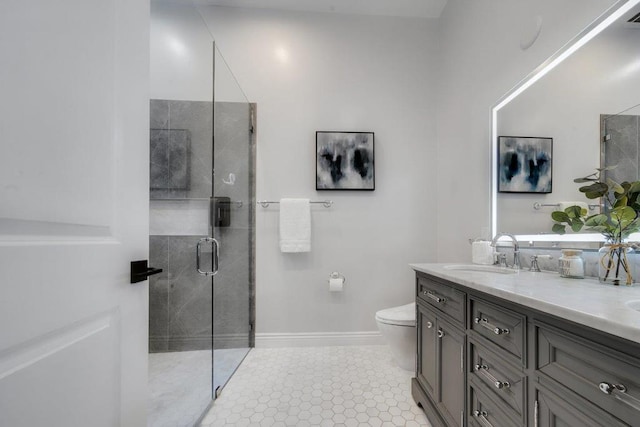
[(590, 370), (555, 411), (451, 384), (427, 352)]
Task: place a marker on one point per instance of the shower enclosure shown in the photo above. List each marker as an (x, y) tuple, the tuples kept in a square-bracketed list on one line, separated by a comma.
[(620, 144), (202, 217)]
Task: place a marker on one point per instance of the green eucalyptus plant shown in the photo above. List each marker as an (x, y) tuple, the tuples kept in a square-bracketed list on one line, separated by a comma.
[(620, 218), (621, 214)]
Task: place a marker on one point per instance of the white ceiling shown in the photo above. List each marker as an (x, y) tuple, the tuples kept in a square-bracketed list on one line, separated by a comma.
[(407, 8)]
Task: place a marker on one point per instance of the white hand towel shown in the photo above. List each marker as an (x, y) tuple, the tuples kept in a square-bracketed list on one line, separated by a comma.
[(295, 225)]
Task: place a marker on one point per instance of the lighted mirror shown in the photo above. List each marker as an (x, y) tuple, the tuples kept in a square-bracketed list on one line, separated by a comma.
[(584, 100)]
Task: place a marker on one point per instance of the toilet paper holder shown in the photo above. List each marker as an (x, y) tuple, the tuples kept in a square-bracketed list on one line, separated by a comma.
[(336, 275)]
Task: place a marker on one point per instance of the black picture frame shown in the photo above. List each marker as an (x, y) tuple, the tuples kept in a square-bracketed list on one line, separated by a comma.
[(345, 161), (525, 164)]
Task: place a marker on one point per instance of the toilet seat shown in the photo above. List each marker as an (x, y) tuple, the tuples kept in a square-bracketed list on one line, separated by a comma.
[(403, 315)]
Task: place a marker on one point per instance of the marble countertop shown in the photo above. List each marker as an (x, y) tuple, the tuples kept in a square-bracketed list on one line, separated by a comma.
[(584, 301)]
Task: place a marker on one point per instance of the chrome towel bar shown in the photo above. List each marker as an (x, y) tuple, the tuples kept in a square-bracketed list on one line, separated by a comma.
[(538, 205), (325, 203)]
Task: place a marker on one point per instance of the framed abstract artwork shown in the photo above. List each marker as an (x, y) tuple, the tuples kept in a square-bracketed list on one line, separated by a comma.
[(345, 161), (524, 164)]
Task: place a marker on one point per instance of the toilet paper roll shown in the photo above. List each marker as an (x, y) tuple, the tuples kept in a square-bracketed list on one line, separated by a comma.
[(336, 284)]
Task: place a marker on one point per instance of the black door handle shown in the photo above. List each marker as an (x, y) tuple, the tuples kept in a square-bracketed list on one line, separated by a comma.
[(140, 271)]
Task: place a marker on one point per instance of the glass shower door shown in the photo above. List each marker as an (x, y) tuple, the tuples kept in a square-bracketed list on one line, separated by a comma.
[(202, 186), (181, 189), (233, 223), (180, 299)]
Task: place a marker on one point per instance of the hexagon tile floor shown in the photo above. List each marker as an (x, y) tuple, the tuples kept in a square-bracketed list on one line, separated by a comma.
[(317, 386)]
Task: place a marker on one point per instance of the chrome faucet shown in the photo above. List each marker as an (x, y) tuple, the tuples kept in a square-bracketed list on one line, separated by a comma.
[(516, 247)]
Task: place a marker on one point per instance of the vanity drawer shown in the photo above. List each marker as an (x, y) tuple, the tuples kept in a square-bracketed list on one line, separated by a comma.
[(484, 412), (565, 409), (603, 376), (506, 382), (442, 296), (504, 327)]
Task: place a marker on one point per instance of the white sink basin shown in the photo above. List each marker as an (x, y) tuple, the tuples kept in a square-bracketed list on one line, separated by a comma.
[(484, 269), (633, 304)]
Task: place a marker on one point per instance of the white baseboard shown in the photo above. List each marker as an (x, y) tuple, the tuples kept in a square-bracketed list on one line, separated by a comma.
[(318, 339)]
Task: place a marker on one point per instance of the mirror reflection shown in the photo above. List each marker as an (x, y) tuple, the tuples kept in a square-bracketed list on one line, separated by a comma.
[(588, 106), (620, 144)]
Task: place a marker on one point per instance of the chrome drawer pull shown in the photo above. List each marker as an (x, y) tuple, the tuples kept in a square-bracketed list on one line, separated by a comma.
[(429, 325), (484, 370), (490, 326), (482, 417), (440, 333), (619, 391), (434, 297)]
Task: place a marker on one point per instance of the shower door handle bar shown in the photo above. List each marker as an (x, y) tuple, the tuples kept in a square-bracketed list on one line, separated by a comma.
[(216, 255)]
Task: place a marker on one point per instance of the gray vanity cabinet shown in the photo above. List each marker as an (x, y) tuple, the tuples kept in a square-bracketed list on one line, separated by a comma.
[(484, 361)]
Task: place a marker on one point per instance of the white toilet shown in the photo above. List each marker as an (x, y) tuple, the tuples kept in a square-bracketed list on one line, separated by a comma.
[(398, 327)]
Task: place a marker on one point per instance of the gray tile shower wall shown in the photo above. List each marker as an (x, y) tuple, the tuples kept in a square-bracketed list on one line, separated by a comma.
[(181, 300), (159, 294), (181, 149), (234, 178), (190, 296), (170, 161), (231, 302), (621, 148)]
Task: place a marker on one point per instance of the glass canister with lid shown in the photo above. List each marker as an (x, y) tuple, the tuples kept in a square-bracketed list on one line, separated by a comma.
[(571, 264)]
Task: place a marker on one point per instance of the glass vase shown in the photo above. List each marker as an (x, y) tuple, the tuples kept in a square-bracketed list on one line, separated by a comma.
[(616, 265)]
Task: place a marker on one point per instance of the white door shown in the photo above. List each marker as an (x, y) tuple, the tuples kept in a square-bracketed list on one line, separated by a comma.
[(73, 212)]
